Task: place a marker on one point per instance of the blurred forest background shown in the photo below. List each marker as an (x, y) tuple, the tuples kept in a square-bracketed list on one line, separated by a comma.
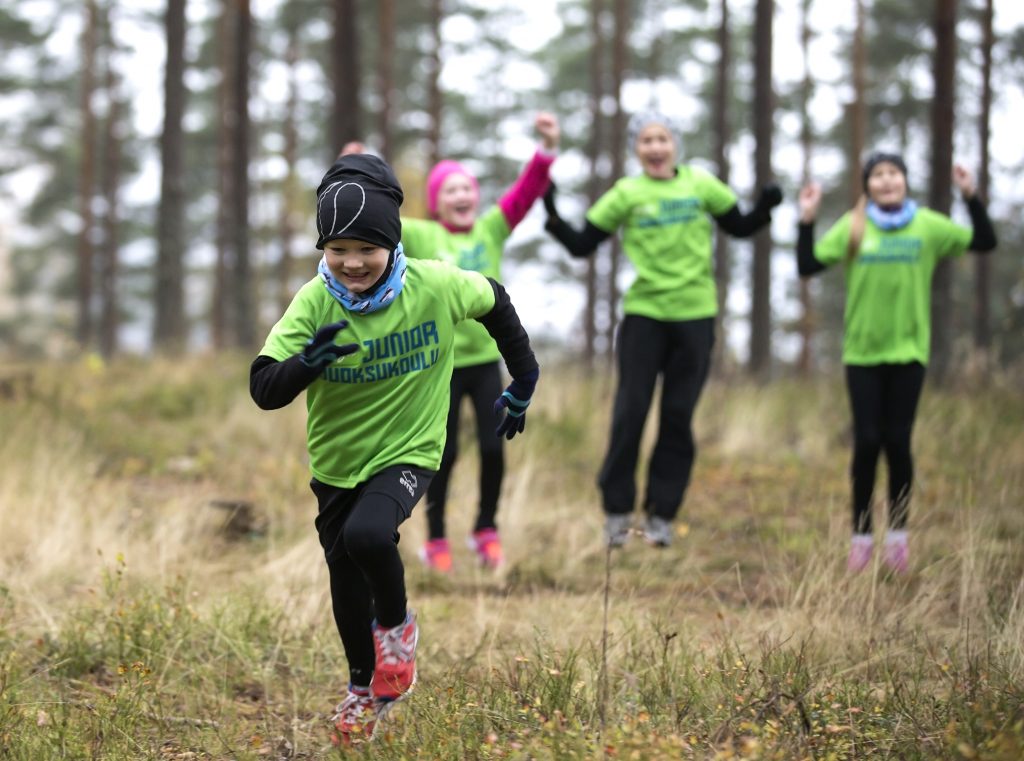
[(158, 160)]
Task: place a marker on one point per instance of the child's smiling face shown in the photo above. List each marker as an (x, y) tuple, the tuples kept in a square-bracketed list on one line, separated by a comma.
[(457, 201), (356, 264)]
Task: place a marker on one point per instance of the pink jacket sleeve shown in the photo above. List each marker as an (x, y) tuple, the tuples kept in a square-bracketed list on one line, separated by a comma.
[(530, 186)]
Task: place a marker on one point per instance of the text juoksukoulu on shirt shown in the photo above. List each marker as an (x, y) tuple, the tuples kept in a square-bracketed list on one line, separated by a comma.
[(888, 285), (478, 249), (667, 236), (387, 404)]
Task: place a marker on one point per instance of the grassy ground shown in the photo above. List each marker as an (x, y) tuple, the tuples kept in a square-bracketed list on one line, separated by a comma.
[(163, 596)]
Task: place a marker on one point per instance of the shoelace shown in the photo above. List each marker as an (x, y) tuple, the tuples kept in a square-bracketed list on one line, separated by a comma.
[(393, 648)]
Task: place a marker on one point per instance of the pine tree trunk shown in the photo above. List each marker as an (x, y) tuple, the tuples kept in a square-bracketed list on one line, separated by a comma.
[(243, 308), (618, 141), (346, 122), (594, 184), (222, 292), (434, 101), (940, 199), (169, 317), (109, 317), (982, 264), (385, 74), (858, 112), (86, 178), (286, 223), (761, 316), (720, 118), (806, 323)]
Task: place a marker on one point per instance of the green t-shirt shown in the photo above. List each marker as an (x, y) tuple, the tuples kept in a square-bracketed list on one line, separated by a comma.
[(479, 249), (888, 285), (387, 404), (667, 236)]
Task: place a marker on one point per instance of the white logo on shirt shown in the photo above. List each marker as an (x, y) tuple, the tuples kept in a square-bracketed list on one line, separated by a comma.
[(408, 480)]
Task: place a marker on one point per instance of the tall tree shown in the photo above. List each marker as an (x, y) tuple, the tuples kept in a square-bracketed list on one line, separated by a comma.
[(720, 120), (385, 74), (595, 185), (617, 139), (939, 197), (86, 176), (244, 313), (434, 100), (763, 117), (346, 115), (222, 293), (805, 326), (109, 254), (290, 191), (857, 115), (982, 266), (169, 328)]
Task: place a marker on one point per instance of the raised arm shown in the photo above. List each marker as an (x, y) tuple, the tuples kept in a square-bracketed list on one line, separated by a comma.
[(809, 202), (741, 225), (983, 239), (579, 243), (533, 181)]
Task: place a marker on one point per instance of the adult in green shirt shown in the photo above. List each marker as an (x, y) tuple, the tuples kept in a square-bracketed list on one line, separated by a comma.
[(376, 408), (666, 216), (889, 247)]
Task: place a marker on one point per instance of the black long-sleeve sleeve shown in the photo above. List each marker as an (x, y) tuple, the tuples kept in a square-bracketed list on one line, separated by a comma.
[(503, 323), (740, 225), (806, 263), (274, 384), (743, 225), (983, 238), (579, 243)]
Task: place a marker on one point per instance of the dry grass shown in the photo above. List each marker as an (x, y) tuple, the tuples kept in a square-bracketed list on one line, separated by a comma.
[(159, 566)]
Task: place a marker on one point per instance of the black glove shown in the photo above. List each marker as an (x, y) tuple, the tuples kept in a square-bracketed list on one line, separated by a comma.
[(771, 196), (321, 351), (514, 400)]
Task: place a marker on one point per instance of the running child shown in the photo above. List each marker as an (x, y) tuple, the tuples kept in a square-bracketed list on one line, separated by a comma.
[(371, 341)]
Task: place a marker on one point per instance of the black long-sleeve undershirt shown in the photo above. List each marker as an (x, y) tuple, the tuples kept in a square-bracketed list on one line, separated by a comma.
[(983, 238), (582, 243), (274, 384)]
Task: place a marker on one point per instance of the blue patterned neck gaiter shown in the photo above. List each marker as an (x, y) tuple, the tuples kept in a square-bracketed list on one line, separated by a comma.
[(892, 220), (373, 299)]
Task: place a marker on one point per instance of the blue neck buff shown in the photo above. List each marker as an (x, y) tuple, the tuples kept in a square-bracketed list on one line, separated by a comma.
[(892, 220), (374, 298)]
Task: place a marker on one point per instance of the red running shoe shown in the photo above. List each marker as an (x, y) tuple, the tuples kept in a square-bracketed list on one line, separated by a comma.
[(355, 717), (487, 545), (436, 554), (394, 672)]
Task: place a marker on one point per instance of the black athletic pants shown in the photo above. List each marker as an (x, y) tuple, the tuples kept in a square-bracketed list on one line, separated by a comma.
[(883, 399), (358, 529), (681, 353), (482, 383)]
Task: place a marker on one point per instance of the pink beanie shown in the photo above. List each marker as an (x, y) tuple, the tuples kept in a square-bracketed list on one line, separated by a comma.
[(438, 175)]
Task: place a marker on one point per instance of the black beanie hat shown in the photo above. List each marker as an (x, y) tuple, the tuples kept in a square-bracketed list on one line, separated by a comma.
[(359, 198), (881, 157)]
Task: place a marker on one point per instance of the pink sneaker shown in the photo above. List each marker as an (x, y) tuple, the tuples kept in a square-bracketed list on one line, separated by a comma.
[(394, 671), (436, 554), (355, 717), (896, 552), (487, 545), (860, 553)]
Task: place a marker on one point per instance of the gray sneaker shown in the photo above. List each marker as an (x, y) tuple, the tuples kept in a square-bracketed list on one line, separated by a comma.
[(616, 528), (657, 531)]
